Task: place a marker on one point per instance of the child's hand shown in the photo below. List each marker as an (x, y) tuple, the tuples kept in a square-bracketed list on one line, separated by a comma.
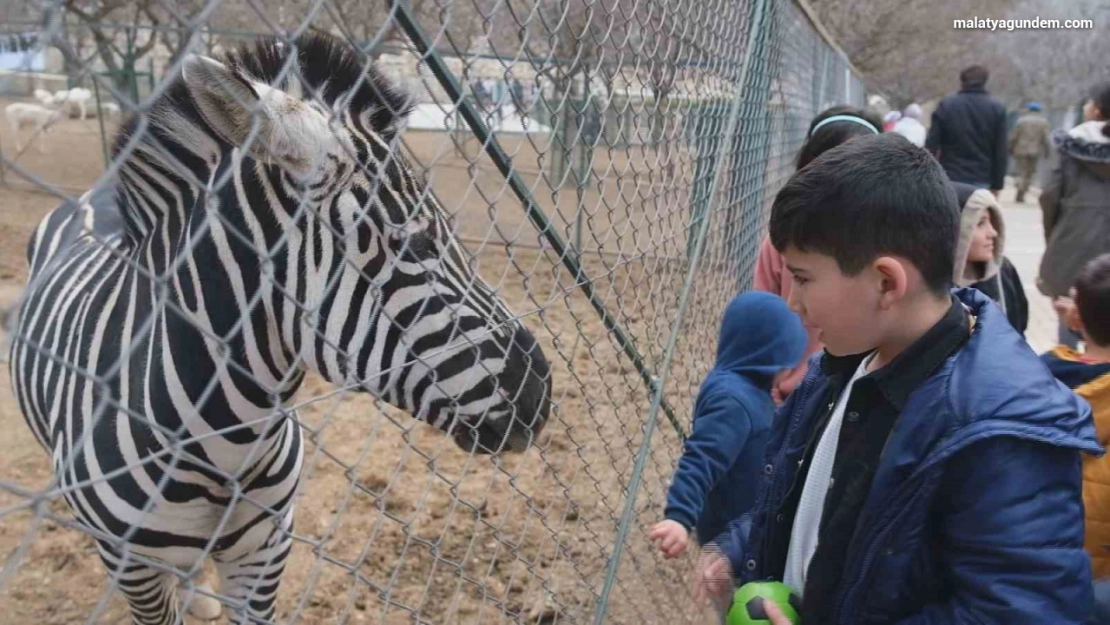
[(774, 613), (713, 579), (670, 537), (1067, 311), (777, 396), (1063, 306)]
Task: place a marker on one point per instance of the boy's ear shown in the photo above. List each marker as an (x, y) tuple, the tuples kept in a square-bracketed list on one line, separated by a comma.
[(893, 280)]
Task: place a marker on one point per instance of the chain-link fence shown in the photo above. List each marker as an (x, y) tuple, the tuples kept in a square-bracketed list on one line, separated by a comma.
[(224, 345)]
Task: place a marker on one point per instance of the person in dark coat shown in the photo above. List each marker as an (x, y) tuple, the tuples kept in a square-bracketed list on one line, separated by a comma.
[(968, 134), (1075, 203), (760, 339), (980, 259)]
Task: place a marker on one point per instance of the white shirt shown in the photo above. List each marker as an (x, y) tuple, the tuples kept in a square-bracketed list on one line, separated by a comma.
[(811, 505)]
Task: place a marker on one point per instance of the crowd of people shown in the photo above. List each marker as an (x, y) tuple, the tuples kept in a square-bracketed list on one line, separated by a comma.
[(876, 433), (495, 96)]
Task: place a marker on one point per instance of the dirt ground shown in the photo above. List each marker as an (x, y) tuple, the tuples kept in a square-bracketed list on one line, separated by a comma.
[(393, 523)]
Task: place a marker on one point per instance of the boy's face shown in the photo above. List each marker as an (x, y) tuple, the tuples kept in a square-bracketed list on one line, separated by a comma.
[(1090, 111), (845, 308)]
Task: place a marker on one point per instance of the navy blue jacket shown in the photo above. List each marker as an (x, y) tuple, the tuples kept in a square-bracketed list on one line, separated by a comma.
[(974, 513), (759, 337), (969, 135)]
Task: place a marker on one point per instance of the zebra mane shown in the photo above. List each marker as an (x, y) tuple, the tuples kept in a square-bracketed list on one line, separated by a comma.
[(326, 67), (331, 67)]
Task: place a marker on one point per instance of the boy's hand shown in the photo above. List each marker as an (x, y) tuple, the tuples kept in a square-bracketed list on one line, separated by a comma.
[(774, 613), (777, 396), (1067, 312), (713, 579), (670, 538)]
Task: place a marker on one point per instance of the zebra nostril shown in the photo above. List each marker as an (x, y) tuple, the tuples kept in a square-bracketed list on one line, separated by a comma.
[(526, 384)]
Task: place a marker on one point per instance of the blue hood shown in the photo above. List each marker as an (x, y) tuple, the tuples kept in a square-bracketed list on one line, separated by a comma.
[(760, 336), (733, 414)]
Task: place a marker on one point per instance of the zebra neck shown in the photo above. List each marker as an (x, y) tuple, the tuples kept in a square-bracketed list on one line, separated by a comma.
[(168, 167), (206, 238)]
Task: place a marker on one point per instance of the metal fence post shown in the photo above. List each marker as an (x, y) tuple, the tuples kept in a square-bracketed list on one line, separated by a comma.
[(104, 140), (759, 11), (747, 191)]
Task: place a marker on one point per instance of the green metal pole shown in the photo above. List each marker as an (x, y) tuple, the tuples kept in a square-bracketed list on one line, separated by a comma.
[(757, 24), (100, 121), (408, 23)]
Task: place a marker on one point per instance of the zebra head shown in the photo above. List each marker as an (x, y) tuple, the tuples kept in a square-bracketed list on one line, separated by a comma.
[(375, 291)]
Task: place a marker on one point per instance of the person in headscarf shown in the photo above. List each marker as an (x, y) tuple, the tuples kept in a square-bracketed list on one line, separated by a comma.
[(980, 262), (910, 126)]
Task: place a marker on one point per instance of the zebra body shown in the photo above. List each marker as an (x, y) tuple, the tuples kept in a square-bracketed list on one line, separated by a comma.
[(261, 227)]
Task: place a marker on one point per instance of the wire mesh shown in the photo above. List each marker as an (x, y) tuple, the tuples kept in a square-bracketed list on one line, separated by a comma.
[(598, 173)]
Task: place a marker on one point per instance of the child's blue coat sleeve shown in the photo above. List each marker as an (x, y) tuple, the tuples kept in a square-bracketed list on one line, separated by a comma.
[(733, 543), (721, 430)]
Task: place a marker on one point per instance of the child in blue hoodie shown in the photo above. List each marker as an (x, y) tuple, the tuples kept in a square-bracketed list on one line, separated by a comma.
[(760, 340)]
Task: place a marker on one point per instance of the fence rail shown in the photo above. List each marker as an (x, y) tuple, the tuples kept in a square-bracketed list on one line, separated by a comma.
[(605, 167)]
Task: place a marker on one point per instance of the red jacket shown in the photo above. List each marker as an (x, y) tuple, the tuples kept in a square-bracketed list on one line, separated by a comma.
[(772, 276)]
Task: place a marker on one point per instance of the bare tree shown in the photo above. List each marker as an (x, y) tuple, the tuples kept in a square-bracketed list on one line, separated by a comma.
[(122, 32), (908, 50), (1056, 67)]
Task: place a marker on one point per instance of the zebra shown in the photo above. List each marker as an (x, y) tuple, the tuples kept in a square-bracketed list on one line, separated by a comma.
[(260, 226)]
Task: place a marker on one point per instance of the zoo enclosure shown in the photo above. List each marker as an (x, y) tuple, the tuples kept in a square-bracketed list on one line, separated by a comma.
[(617, 207)]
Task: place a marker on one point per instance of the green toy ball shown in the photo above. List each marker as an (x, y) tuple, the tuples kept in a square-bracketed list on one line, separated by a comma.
[(747, 603)]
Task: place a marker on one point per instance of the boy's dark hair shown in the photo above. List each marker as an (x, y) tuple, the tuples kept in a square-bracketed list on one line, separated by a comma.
[(870, 197), (1100, 95), (834, 133), (1092, 299), (974, 76)]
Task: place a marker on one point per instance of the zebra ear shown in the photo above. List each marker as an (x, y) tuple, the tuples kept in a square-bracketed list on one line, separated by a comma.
[(226, 100), (285, 129)]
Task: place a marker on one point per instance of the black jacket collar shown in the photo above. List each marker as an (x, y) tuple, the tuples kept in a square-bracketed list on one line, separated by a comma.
[(917, 362)]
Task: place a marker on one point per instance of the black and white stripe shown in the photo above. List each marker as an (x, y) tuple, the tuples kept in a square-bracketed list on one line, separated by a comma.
[(261, 226)]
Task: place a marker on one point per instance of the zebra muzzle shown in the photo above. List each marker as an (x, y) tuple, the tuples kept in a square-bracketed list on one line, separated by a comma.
[(525, 384)]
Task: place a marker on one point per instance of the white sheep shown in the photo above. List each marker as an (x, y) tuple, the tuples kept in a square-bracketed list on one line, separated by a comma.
[(22, 114), (75, 98), (107, 109), (45, 97)]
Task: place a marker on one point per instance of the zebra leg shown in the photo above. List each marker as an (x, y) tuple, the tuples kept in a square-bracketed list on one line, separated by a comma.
[(204, 607), (250, 573), (149, 592)]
